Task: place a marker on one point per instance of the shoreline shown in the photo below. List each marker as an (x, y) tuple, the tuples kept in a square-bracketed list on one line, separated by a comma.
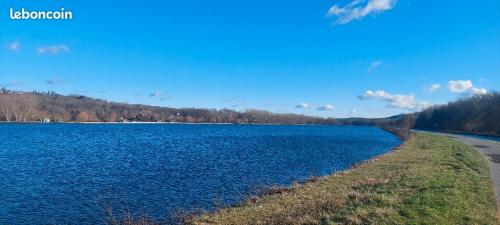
[(278, 189), (347, 170), (411, 163)]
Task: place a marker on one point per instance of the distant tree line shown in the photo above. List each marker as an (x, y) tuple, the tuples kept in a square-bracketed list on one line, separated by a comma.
[(37, 106), (477, 114)]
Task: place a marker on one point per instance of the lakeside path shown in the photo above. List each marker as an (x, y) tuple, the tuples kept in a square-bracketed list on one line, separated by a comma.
[(489, 149)]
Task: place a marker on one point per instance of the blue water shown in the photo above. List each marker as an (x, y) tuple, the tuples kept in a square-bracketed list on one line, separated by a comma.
[(71, 173)]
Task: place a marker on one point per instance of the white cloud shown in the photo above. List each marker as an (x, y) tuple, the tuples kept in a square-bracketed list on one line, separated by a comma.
[(357, 9), (423, 105), (326, 107), (373, 95), (53, 49), (478, 91), (303, 105), (155, 94), (353, 111), (465, 86), (374, 65), (435, 87), (395, 100), (14, 46), (459, 86)]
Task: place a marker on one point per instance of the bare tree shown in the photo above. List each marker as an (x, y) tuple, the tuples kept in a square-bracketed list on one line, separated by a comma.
[(27, 105), (8, 106), (16, 110)]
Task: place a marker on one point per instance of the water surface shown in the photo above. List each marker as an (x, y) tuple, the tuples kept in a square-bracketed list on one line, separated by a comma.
[(69, 173)]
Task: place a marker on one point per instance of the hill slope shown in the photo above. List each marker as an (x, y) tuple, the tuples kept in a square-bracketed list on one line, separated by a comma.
[(479, 114)]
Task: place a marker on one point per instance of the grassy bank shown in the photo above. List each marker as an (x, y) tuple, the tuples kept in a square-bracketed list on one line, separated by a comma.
[(428, 180)]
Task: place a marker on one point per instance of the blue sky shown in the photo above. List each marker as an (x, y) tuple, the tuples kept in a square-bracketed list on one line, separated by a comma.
[(328, 58)]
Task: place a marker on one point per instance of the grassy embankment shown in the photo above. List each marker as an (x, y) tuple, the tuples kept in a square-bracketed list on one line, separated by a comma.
[(428, 180)]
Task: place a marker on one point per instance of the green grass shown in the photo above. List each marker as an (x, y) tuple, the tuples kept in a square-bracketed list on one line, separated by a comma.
[(428, 180)]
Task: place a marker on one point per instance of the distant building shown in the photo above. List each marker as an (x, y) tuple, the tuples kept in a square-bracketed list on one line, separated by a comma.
[(45, 120)]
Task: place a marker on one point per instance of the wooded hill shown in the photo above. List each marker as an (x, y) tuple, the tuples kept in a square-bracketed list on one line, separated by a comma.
[(479, 114)]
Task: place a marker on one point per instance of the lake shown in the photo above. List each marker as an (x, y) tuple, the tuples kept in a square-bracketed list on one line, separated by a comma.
[(73, 173)]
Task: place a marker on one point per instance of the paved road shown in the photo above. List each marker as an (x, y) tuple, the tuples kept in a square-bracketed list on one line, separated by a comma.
[(490, 150)]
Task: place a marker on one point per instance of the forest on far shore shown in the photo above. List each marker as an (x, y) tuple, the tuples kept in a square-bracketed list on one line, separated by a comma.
[(479, 114), (18, 106)]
